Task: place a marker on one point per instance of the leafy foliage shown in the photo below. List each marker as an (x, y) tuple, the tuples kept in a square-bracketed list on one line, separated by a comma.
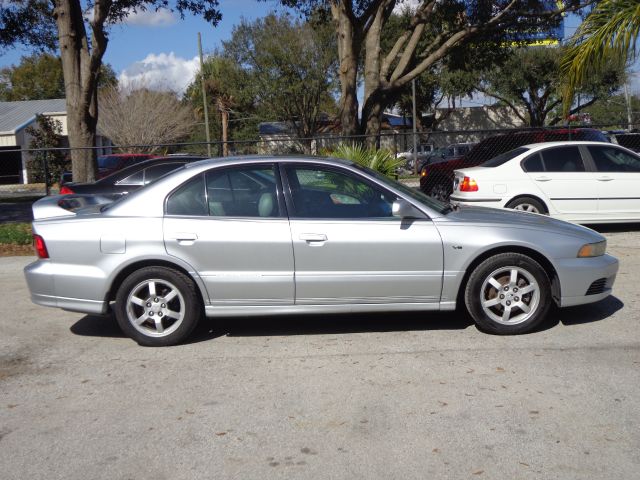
[(609, 33), (40, 77), (290, 68), (45, 136), (380, 160), (529, 83), (228, 86), (434, 36)]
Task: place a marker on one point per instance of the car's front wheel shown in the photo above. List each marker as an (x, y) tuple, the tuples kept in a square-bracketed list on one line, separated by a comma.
[(508, 293), (157, 306)]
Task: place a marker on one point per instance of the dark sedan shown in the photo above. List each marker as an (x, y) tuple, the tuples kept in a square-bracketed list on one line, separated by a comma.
[(130, 178)]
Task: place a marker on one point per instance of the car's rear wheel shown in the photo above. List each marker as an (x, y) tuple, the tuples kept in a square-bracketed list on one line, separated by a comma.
[(528, 204), (440, 192), (508, 293), (157, 306)]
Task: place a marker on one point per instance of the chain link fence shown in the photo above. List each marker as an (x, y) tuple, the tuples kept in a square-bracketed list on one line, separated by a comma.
[(37, 172)]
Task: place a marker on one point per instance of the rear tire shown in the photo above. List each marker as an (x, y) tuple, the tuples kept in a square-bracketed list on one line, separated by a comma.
[(158, 306), (528, 204), (508, 294)]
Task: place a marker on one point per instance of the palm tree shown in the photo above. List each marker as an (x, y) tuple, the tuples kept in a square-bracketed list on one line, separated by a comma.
[(608, 33)]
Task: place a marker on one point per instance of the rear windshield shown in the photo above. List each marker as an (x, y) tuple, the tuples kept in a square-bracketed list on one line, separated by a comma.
[(105, 161), (504, 157)]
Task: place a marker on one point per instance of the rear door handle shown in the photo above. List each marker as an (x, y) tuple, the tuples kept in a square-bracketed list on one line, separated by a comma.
[(184, 237), (605, 179), (542, 179), (313, 237)]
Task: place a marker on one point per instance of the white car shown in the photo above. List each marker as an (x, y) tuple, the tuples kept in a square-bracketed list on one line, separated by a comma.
[(581, 182), (423, 151)]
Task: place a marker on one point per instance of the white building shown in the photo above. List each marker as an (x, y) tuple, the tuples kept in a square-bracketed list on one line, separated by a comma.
[(15, 117)]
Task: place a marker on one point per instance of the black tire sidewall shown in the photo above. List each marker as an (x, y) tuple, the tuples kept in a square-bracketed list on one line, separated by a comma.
[(479, 275), (193, 308)]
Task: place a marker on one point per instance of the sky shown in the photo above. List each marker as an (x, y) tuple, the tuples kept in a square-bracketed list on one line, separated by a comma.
[(159, 50)]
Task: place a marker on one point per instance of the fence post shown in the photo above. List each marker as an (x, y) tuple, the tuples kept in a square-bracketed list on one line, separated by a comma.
[(45, 169)]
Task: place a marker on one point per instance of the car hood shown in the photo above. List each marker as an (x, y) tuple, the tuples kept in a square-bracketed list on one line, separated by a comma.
[(493, 217)]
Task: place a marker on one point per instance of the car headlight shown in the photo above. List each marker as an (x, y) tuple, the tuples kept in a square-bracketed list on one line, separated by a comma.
[(593, 249)]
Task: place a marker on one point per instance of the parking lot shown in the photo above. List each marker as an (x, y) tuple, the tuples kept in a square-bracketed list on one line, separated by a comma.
[(383, 396)]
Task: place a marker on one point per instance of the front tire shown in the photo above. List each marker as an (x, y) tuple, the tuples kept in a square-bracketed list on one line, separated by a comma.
[(157, 306), (508, 294)]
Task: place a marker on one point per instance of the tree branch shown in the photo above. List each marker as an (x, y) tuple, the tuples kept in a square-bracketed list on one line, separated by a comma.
[(504, 99)]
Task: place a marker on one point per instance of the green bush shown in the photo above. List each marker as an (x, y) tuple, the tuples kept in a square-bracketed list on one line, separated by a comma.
[(15, 233), (381, 160)]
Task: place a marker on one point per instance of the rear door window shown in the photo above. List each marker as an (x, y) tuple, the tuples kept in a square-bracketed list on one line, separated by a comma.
[(533, 164), (563, 159)]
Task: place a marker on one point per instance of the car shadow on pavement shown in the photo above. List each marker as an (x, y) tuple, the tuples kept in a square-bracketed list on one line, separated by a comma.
[(593, 312), (337, 324), (97, 326), (310, 324), (334, 324)]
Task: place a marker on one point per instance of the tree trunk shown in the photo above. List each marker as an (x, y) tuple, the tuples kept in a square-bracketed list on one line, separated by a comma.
[(349, 44), (373, 106), (80, 68), (225, 136)]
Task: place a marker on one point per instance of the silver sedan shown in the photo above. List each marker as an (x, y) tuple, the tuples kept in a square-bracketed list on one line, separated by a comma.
[(266, 235)]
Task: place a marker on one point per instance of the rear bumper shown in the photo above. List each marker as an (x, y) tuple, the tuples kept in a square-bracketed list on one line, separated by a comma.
[(586, 280), (493, 202), (41, 280)]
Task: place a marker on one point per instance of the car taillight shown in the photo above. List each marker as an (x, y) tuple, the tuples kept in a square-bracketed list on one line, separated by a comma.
[(41, 248), (64, 190), (468, 185)]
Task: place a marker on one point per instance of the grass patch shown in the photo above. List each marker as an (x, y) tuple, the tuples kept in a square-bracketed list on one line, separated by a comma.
[(15, 233)]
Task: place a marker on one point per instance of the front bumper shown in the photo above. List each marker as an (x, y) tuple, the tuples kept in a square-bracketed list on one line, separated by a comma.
[(586, 280)]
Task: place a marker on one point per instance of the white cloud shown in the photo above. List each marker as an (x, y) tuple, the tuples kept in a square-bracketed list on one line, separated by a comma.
[(150, 18), (160, 72), (401, 5), (144, 18)]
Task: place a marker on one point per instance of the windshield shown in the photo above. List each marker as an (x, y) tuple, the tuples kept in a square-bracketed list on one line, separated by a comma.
[(504, 157), (417, 195)]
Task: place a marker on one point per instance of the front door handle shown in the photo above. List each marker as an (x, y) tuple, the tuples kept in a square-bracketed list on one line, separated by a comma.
[(313, 237), (605, 179), (542, 179)]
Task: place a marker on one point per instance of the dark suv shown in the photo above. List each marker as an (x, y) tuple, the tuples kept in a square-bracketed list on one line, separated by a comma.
[(437, 179)]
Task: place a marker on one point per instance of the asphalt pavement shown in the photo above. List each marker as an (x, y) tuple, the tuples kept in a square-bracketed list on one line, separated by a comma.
[(397, 396)]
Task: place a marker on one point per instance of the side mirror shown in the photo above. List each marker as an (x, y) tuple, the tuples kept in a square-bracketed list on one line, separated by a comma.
[(403, 209)]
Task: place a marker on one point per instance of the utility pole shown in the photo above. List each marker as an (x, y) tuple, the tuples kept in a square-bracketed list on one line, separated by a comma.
[(204, 97), (628, 102), (415, 138)]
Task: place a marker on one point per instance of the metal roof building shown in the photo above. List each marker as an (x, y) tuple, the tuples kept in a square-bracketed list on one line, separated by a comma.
[(15, 117)]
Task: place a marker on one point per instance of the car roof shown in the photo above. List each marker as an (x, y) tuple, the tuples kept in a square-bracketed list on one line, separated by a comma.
[(564, 142), (239, 159)]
